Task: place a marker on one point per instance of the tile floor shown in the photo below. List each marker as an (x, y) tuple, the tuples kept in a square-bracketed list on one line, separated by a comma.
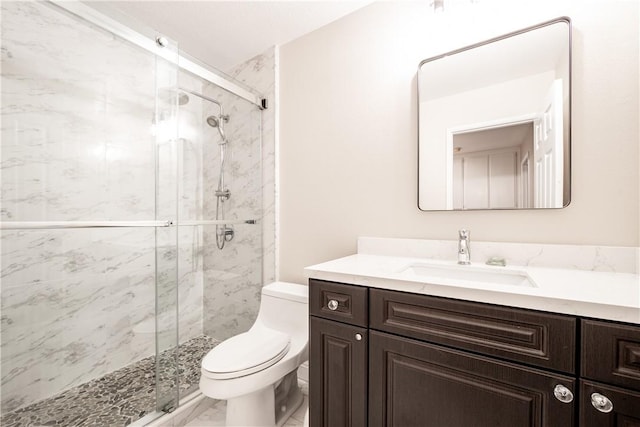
[(118, 398)]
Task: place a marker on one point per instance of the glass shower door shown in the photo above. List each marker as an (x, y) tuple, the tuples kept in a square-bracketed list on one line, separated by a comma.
[(166, 209), (88, 282)]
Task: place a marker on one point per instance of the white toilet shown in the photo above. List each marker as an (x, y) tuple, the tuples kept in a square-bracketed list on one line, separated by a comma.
[(256, 371)]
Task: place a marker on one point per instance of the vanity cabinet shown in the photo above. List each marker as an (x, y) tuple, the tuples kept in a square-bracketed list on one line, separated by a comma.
[(338, 361), (441, 367), (432, 361), (610, 371)]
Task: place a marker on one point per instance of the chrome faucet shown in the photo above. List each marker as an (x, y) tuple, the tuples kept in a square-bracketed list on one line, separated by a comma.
[(464, 249)]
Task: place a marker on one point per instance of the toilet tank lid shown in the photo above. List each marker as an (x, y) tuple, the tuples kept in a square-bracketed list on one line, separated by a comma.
[(286, 290)]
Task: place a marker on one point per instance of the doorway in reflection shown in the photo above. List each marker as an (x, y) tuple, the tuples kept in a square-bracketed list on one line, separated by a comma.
[(490, 167)]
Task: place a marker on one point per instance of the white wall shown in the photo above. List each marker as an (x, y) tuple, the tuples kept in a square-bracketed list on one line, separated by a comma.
[(349, 129)]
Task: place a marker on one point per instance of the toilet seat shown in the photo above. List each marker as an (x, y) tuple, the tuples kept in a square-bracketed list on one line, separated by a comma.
[(246, 353)]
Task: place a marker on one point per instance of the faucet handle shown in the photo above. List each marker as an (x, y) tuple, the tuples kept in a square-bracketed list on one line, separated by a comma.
[(463, 233)]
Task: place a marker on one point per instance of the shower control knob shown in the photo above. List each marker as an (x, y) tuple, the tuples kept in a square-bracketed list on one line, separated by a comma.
[(358, 337), (601, 403), (332, 305), (563, 394)]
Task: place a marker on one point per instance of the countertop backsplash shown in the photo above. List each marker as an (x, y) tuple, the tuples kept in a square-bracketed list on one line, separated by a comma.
[(578, 257)]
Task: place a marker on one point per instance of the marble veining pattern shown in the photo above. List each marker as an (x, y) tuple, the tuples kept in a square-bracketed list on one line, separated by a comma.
[(576, 257), (59, 333), (231, 300), (78, 143), (74, 112), (77, 109), (75, 146), (260, 72)]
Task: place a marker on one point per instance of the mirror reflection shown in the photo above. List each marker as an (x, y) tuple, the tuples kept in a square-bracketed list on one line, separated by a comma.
[(494, 123)]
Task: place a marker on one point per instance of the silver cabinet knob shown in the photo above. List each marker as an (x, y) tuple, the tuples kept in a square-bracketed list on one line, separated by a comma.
[(601, 403), (358, 337), (333, 305), (563, 394)]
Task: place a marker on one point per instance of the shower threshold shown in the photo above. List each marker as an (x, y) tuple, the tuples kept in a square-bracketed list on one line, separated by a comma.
[(116, 399)]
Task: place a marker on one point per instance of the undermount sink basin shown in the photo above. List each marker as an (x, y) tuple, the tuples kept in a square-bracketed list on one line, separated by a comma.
[(468, 273)]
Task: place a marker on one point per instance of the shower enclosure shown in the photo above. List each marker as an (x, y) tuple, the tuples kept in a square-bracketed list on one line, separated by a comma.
[(130, 210)]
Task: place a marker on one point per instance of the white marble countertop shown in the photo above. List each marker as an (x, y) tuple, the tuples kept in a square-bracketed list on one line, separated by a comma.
[(597, 294)]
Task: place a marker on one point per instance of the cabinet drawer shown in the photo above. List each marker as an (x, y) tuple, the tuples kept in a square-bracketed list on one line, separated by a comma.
[(611, 353), (337, 301), (536, 338)]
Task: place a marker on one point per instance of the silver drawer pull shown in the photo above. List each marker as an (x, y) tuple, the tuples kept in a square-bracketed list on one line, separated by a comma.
[(333, 305), (563, 394), (601, 403), (358, 337)]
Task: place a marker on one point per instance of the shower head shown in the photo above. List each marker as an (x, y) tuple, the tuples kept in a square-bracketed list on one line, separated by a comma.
[(218, 122)]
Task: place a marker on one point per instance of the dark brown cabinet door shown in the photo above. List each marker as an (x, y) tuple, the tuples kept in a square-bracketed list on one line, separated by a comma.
[(611, 353), (607, 406), (412, 383), (337, 374)]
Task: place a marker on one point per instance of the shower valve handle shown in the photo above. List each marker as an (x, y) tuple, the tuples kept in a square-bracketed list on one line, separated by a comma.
[(223, 193)]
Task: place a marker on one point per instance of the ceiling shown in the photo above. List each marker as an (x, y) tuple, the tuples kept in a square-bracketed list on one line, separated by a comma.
[(226, 33), (494, 138)]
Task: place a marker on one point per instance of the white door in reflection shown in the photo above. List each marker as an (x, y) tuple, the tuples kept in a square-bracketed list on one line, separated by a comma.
[(486, 180), (486, 165), (548, 155)]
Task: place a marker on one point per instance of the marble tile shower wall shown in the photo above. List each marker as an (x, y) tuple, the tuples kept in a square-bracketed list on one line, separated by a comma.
[(77, 105), (234, 276), (192, 130), (260, 73)]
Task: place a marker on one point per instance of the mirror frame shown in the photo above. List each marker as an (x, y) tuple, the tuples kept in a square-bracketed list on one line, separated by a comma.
[(567, 183)]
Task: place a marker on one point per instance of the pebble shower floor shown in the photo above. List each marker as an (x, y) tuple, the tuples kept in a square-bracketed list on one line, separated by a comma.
[(116, 399)]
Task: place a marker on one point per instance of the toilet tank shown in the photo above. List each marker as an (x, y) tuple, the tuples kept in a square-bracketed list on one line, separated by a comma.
[(285, 307)]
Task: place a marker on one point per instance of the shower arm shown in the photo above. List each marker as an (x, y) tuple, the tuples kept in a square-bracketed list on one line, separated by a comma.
[(206, 98)]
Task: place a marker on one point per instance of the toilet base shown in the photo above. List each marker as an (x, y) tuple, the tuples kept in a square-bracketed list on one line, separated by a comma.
[(258, 409), (261, 411), (294, 404)]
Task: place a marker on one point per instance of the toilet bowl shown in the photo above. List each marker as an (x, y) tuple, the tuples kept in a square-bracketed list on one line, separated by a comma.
[(256, 371)]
